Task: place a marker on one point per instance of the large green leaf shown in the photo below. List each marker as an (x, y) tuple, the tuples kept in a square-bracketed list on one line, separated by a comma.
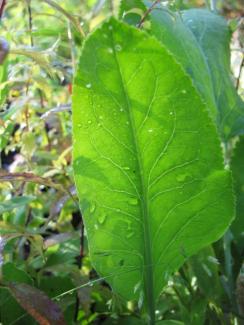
[(199, 40), (170, 29), (147, 162), (237, 167), (213, 36)]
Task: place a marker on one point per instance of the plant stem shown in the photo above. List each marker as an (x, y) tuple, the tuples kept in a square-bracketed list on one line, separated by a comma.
[(213, 5), (149, 10), (3, 3)]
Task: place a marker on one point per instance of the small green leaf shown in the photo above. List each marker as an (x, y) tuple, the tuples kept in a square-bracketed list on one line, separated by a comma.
[(15, 202), (13, 274), (132, 11), (142, 138)]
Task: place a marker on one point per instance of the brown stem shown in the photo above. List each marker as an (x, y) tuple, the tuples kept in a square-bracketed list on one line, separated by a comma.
[(149, 10), (30, 22), (2, 5), (239, 74), (80, 261)]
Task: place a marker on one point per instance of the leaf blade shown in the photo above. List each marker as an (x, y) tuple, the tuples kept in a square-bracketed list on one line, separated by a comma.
[(132, 161)]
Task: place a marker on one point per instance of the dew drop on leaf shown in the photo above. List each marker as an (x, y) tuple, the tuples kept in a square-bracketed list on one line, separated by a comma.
[(121, 262), (137, 286), (102, 219), (92, 207), (118, 48), (141, 299), (88, 86), (133, 201), (182, 177), (130, 234)]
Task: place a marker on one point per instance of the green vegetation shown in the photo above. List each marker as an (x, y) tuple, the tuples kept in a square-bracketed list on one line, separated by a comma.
[(117, 203)]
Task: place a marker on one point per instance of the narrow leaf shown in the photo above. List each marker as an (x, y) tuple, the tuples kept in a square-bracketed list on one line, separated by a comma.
[(37, 304)]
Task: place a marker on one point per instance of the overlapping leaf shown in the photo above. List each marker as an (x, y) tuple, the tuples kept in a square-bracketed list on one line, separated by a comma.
[(200, 40), (213, 36)]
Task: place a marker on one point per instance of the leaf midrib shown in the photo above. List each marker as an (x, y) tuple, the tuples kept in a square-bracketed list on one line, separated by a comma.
[(148, 265)]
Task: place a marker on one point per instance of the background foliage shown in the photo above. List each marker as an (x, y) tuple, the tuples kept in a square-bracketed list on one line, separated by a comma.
[(43, 244)]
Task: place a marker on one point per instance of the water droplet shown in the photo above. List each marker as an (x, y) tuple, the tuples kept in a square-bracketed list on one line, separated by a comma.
[(141, 299), (133, 201), (130, 234), (89, 122), (110, 50), (118, 48), (121, 262), (171, 113), (182, 177), (92, 207), (183, 91), (150, 130), (88, 86), (137, 286), (102, 219), (213, 260), (121, 110), (126, 168)]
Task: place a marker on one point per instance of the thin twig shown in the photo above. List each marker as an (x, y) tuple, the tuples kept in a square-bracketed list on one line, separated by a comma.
[(2, 6), (239, 74), (80, 262), (149, 10), (111, 5), (212, 5), (69, 16), (30, 22), (30, 177)]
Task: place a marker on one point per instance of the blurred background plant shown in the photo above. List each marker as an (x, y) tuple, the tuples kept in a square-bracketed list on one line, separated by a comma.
[(43, 249)]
